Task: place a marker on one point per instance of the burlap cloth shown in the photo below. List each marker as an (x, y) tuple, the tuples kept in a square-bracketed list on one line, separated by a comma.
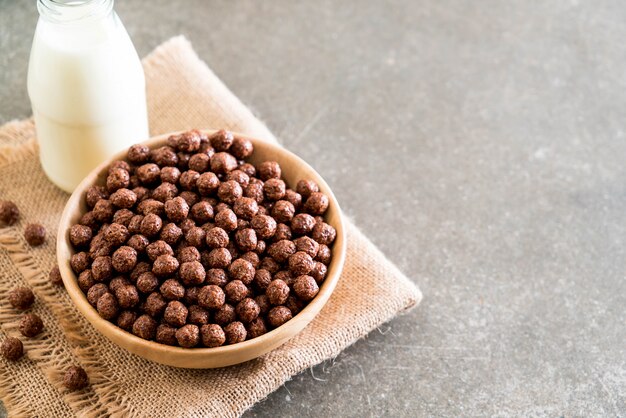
[(182, 93)]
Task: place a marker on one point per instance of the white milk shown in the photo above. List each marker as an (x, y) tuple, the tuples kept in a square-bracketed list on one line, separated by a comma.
[(86, 87)]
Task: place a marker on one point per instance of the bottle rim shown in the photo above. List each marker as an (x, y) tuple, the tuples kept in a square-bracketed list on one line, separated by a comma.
[(69, 11)]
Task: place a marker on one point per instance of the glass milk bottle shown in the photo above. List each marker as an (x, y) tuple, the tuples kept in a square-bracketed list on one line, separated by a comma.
[(86, 86)]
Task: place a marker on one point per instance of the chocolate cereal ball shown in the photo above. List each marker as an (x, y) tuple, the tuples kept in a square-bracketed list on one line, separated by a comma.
[(278, 315), (199, 162), (247, 310), (222, 140), (225, 315), (323, 255), (12, 349), (211, 297), (212, 335), (239, 176), (188, 336), (55, 276), (283, 211), (21, 298), (269, 264), (282, 232), (147, 282), (294, 304), (164, 192), (124, 259), (264, 304), (79, 262), (217, 238), (176, 209), (166, 334), (155, 304), (171, 289), (102, 268), (157, 248), (256, 328), (277, 292), (80, 235), (165, 265), (150, 205), (269, 170), (262, 279), (148, 173), (302, 224), (126, 319), (300, 263), (264, 226), (94, 293), (226, 219), (229, 191), (219, 258), (254, 191), (123, 217), (75, 378), (324, 233), (175, 314), (306, 187), (282, 250), (274, 189), (145, 327), (241, 269), (35, 234), (151, 225), (95, 193), (198, 315), (241, 148), (170, 175), (138, 154), (305, 287), (9, 213), (195, 236), (207, 184), (118, 178), (245, 207), (192, 273), (246, 239), (164, 156), (247, 168), (107, 306), (217, 277), (202, 212), (318, 272), (124, 198), (235, 332), (188, 179), (171, 233), (294, 198), (235, 291), (30, 325), (188, 254), (127, 296), (103, 210)]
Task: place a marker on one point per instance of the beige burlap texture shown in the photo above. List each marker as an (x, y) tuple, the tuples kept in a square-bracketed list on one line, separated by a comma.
[(182, 93)]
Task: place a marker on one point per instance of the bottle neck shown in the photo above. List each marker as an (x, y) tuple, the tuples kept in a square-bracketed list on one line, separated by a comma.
[(72, 11)]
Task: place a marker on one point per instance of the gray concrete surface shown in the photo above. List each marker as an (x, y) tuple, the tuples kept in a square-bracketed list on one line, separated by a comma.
[(481, 145)]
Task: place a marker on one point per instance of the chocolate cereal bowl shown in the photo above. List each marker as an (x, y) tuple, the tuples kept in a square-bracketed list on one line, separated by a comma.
[(108, 301)]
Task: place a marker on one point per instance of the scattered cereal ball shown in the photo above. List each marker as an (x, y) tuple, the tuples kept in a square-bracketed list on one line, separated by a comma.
[(225, 315), (80, 235), (229, 191), (207, 184), (149, 206), (171, 233), (212, 335), (222, 140), (241, 148), (55, 276), (145, 327), (318, 272), (195, 236), (277, 292), (235, 291), (323, 254), (176, 209), (147, 282), (164, 192), (192, 273), (211, 297), (171, 289), (282, 250), (324, 233), (235, 332), (94, 293), (302, 224), (35, 234), (219, 258), (102, 268), (107, 306), (75, 378), (306, 187), (158, 248), (127, 296), (188, 254), (138, 154), (166, 334), (217, 238), (170, 175), (198, 315), (9, 213), (283, 211), (241, 269), (79, 262), (95, 193), (148, 173), (165, 265), (245, 207), (124, 198), (175, 314), (264, 304), (247, 310), (222, 163), (189, 142), (164, 156), (155, 304), (294, 198), (216, 277), (247, 168), (226, 219), (305, 287), (118, 178), (282, 232), (246, 239), (274, 189), (202, 212), (278, 315), (199, 162), (269, 170), (188, 179), (300, 263), (21, 298), (126, 319), (30, 325), (12, 348), (256, 328), (188, 336), (151, 225), (116, 234)]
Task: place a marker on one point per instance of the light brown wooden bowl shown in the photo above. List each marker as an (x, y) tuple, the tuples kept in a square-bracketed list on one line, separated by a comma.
[(294, 169)]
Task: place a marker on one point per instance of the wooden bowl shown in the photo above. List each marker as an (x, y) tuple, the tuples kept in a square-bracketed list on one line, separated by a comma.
[(294, 169)]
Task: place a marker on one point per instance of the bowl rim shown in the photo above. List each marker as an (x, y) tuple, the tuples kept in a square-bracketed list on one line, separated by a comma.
[(90, 313)]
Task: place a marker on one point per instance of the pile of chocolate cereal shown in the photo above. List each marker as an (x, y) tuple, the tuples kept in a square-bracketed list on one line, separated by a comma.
[(189, 245)]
